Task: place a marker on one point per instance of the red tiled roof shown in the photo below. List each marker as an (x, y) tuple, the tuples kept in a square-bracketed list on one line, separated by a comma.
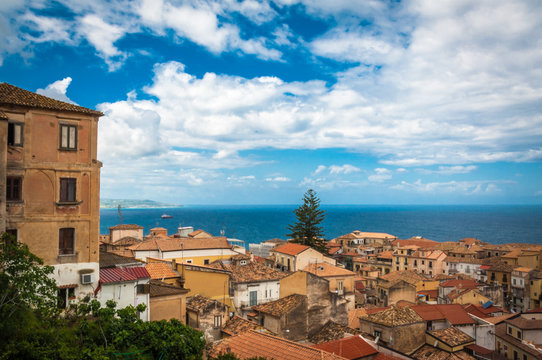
[(352, 347), (479, 350), (454, 313), (161, 270), (113, 275), (139, 272), (254, 344), (460, 284), (125, 227), (292, 249), (13, 95)]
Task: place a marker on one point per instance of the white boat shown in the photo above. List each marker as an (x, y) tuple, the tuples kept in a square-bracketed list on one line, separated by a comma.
[(165, 216)]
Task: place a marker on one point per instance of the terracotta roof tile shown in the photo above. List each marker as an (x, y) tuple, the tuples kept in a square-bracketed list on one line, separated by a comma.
[(3, 115), (126, 227), (451, 336), (454, 313), (161, 270), (460, 284), (13, 95), (410, 276), (332, 331), (169, 244), (237, 325), (428, 352), (202, 304), (395, 316), (255, 344), (325, 269), (354, 315), (281, 306), (291, 249), (251, 272), (158, 288), (526, 322), (353, 347)]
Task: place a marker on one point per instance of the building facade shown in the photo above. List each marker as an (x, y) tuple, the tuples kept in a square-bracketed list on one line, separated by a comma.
[(50, 185)]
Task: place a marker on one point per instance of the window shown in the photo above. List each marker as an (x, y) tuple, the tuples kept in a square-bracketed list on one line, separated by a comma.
[(504, 278), (519, 334), (509, 330), (66, 241), (423, 262), (218, 321), (253, 298), (14, 187), (378, 333), (206, 262), (143, 288), (15, 134), (415, 262), (430, 264), (340, 285), (67, 189), (68, 137)]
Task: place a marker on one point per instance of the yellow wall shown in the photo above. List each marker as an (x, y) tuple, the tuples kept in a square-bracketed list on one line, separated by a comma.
[(471, 297), (200, 260), (427, 285), (348, 283), (294, 284), (214, 285), (168, 307)]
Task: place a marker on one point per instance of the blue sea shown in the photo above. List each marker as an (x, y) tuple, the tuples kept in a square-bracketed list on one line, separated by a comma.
[(495, 224)]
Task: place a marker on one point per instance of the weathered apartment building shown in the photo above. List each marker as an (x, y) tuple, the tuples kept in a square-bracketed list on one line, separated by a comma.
[(50, 184)]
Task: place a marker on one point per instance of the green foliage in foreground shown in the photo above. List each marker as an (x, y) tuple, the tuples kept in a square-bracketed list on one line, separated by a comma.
[(91, 332), (31, 328)]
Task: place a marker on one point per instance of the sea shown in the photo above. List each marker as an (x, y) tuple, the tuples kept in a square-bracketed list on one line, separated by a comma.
[(496, 224)]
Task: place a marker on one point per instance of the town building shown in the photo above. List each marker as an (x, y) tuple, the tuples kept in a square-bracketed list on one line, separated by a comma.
[(292, 257), (399, 328), (251, 284), (207, 315), (521, 289), (341, 281), (520, 336), (167, 301), (50, 185)]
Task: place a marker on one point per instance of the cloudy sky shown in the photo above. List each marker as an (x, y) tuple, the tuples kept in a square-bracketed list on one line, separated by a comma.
[(252, 102)]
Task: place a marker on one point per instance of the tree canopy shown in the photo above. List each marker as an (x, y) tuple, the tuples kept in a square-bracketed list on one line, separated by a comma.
[(307, 229)]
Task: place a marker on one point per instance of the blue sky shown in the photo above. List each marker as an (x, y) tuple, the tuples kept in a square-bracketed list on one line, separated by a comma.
[(252, 102)]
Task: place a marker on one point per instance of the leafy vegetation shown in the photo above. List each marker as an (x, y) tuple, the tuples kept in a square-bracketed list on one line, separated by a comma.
[(307, 229), (32, 328)]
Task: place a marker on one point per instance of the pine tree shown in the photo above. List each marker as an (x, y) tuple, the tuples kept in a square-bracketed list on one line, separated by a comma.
[(307, 229)]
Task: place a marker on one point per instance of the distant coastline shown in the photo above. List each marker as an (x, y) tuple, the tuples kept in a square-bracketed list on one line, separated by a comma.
[(135, 204)]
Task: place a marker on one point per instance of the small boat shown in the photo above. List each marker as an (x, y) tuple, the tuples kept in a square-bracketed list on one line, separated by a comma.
[(165, 216)]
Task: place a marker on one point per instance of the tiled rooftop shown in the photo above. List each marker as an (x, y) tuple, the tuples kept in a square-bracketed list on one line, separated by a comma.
[(332, 331), (115, 275), (203, 304), (13, 95), (428, 352), (353, 347), (251, 272), (454, 313), (460, 284), (281, 306), (526, 322), (237, 325), (395, 316), (324, 270), (108, 259), (291, 249), (255, 344), (451, 336), (126, 227), (176, 244), (409, 276), (158, 288), (161, 270)]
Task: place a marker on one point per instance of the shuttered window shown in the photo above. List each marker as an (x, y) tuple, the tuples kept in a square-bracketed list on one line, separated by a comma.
[(13, 188), (68, 137), (67, 189), (15, 134), (66, 241)]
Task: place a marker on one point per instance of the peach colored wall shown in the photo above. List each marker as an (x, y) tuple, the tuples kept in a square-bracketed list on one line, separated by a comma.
[(168, 307)]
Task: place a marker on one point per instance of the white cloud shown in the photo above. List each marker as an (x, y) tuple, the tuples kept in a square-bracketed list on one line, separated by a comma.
[(450, 170), (278, 179), (57, 90), (343, 169), (103, 37), (475, 187), (380, 174)]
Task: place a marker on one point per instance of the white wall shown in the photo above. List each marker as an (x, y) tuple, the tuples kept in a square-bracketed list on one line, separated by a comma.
[(242, 293), (66, 274), (125, 294)]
